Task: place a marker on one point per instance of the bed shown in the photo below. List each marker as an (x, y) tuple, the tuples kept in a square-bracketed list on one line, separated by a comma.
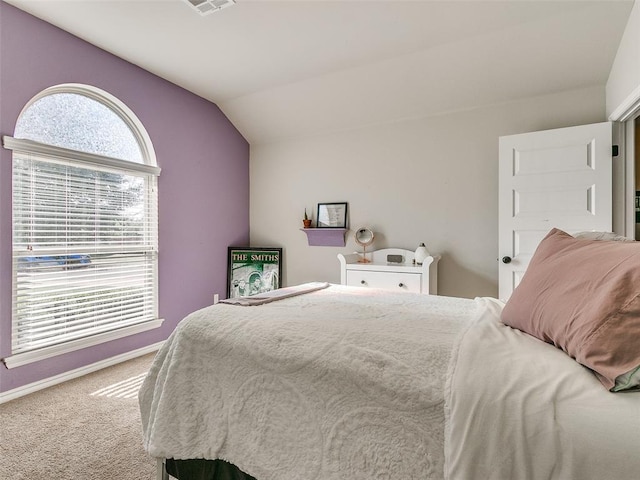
[(324, 382)]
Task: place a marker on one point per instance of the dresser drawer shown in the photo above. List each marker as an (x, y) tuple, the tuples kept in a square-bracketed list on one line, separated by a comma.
[(406, 282)]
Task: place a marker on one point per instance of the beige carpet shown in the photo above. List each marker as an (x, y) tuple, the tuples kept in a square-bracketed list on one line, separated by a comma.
[(85, 429)]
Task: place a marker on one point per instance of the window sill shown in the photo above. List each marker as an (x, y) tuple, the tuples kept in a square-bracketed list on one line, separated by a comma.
[(20, 359)]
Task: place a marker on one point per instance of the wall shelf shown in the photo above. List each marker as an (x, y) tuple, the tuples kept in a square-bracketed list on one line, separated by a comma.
[(326, 237)]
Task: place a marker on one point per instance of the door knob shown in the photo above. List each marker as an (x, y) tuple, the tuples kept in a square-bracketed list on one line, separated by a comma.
[(506, 259)]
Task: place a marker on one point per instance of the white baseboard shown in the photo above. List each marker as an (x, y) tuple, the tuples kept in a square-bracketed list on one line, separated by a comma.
[(78, 372)]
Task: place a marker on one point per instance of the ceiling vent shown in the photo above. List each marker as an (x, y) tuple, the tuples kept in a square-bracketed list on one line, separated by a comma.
[(205, 7)]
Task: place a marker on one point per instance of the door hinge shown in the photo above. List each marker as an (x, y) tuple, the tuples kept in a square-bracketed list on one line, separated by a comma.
[(614, 150)]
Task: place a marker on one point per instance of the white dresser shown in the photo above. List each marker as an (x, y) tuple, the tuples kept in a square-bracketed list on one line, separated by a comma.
[(380, 273)]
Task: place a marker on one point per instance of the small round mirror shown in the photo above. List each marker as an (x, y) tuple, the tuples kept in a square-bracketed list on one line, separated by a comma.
[(364, 237)]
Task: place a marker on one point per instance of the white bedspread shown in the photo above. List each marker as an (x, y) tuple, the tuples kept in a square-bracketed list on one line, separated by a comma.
[(518, 408), (347, 384)]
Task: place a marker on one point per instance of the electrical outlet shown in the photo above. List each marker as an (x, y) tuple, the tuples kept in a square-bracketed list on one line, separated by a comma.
[(216, 298)]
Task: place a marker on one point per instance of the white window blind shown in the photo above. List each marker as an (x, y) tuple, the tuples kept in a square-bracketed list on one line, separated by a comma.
[(85, 246)]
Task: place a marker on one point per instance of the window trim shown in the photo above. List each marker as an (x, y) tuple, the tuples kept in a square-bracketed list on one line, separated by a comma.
[(87, 160), (75, 156), (108, 100), (19, 359)]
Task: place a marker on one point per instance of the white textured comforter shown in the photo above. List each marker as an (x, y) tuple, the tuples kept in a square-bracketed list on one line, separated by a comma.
[(341, 383), (350, 383)]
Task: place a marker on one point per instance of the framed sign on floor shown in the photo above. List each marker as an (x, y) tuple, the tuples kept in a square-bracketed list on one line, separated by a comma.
[(253, 270)]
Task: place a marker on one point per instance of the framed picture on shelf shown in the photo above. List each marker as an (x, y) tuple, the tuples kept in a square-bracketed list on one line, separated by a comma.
[(332, 215), (252, 270)]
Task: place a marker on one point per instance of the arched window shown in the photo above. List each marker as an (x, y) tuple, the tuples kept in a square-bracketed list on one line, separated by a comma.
[(85, 224)]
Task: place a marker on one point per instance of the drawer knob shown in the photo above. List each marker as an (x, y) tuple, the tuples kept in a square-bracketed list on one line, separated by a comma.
[(401, 284), (362, 282)]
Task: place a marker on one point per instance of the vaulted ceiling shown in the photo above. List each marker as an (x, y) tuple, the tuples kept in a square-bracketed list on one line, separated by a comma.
[(290, 68)]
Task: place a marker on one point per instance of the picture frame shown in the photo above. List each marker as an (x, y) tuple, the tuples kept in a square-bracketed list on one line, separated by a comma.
[(332, 215), (253, 270)]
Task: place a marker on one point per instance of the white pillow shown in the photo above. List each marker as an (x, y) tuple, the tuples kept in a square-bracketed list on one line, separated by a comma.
[(607, 236)]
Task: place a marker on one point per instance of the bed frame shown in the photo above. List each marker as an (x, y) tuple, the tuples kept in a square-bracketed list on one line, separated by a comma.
[(161, 472)]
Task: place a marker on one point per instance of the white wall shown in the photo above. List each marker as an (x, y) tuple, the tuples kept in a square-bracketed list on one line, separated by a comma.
[(623, 86), (432, 180)]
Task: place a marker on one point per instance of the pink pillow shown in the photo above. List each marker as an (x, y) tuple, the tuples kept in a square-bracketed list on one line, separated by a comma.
[(583, 296)]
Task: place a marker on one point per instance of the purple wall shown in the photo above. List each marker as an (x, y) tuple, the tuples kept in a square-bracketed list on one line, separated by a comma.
[(203, 187)]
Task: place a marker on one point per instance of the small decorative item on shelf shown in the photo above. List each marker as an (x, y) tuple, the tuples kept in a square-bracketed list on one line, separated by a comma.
[(332, 215), (306, 221), (421, 254)]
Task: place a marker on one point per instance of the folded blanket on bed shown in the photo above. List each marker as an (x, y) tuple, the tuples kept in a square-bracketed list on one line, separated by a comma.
[(341, 383), (274, 295)]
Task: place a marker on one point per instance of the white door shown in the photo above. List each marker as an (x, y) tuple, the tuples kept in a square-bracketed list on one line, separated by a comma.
[(554, 178)]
